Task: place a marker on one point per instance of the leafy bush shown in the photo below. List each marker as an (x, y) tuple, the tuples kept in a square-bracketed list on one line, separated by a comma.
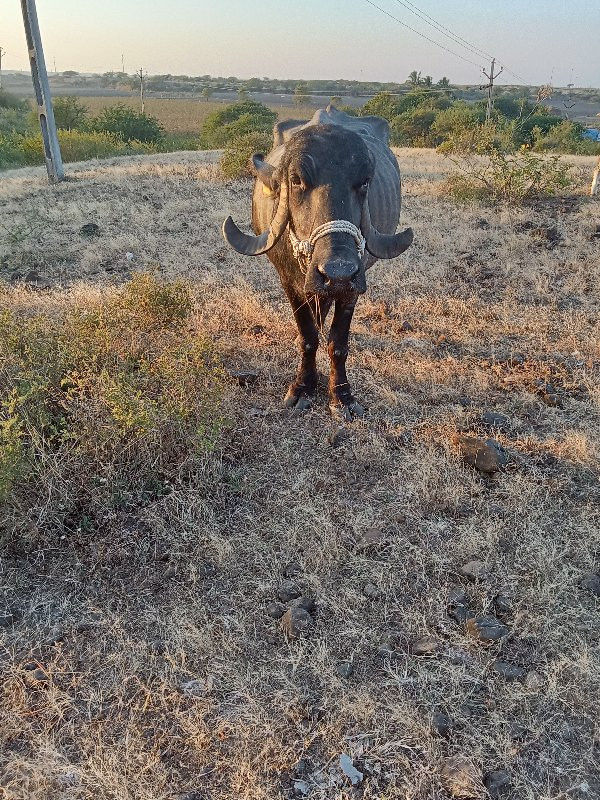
[(490, 172), (74, 146), (13, 120), (69, 113), (8, 100), (11, 151), (102, 408), (235, 162), (236, 120), (127, 124)]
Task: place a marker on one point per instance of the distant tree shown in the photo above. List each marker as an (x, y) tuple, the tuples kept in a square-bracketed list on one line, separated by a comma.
[(414, 78), (427, 81), (383, 105), (207, 92), (69, 113), (127, 124), (8, 100), (69, 73), (301, 97), (235, 121), (443, 82), (336, 100)]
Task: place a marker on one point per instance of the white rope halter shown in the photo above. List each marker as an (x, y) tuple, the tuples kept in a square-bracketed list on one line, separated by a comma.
[(303, 250)]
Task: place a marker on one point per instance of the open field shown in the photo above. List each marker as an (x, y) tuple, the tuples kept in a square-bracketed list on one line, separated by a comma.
[(138, 661), (183, 116)]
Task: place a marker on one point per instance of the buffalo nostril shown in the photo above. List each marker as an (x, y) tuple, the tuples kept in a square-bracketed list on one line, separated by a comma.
[(338, 270)]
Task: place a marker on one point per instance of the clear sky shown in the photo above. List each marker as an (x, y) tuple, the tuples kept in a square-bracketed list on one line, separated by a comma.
[(556, 40)]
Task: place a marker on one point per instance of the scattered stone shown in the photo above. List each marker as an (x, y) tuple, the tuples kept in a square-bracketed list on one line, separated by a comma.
[(533, 680), (465, 401), (493, 420), (305, 602), (441, 723), (197, 687), (497, 782), (591, 582), (345, 669), (301, 767), (371, 591), (288, 591), (301, 787), (275, 610), (485, 456), (89, 230), (482, 223), (39, 674), (245, 378), (461, 778), (371, 539), (295, 622), (511, 672), (350, 770), (458, 605), (486, 628), (291, 569), (475, 570), (406, 326), (425, 646), (503, 603)]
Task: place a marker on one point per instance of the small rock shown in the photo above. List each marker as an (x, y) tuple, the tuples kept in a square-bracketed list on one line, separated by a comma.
[(305, 602), (503, 603), (345, 669), (509, 671), (485, 456), (591, 582), (350, 770), (301, 787), (129, 256), (482, 223), (497, 782), (533, 681), (371, 591), (291, 569), (493, 420), (458, 605), (475, 570), (244, 377), (425, 646), (371, 539), (39, 674), (89, 230), (461, 778), (197, 687), (295, 622), (275, 610), (441, 723), (288, 591), (486, 628), (406, 326)]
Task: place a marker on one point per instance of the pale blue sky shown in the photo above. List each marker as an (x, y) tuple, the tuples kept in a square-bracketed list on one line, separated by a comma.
[(540, 41)]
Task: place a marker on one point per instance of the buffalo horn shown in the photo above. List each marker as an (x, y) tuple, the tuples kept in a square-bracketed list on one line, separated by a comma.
[(249, 245), (382, 245)]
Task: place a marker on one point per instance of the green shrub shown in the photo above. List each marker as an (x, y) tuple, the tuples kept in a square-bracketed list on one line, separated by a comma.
[(104, 407), (14, 120), (235, 162), (8, 100), (234, 121), (490, 171), (69, 113), (11, 151), (128, 125)]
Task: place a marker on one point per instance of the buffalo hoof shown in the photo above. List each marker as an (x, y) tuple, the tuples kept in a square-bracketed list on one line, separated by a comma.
[(297, 398), (347, 412)]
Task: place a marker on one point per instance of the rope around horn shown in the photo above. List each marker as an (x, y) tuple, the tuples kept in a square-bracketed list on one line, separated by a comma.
[(303, 250)]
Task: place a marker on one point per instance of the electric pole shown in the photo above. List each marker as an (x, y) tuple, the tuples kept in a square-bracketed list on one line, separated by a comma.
[(43, 98), (141, 75), (2, 53), (490, 87), (122, 64)]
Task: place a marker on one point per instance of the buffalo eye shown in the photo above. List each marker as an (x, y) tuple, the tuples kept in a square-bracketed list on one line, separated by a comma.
[(361, 188)]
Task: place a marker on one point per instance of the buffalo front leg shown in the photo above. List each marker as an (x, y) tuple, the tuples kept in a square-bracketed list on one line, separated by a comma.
[(342, 401), (301, 392)]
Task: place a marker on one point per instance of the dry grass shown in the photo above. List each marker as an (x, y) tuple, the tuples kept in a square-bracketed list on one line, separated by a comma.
[(180, 116), (109, 628)]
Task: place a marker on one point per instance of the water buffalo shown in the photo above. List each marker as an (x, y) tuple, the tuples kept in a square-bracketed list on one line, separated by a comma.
[(326, 205)]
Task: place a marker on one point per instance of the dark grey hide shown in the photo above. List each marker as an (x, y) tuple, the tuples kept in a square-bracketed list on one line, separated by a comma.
[(334, 167)]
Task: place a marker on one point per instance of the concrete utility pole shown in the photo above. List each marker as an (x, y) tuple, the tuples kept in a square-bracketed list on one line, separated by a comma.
[(490, 87), (141, 75), (2, 53), (122, 64), (43, 98)]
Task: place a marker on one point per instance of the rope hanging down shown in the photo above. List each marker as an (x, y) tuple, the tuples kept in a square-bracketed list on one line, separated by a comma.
[(303, 250)]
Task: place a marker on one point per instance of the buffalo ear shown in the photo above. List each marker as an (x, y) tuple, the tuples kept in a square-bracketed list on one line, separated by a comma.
[(264, 171)]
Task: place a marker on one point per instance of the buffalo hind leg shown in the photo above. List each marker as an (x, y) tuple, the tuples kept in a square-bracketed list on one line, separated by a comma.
[(302, 390), (342, 401)]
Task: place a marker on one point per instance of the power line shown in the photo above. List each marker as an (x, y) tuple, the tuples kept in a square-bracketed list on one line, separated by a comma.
[(429, 20), (422, 35)]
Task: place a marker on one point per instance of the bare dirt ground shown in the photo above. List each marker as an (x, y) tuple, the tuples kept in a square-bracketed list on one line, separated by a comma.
[(141, 663)]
